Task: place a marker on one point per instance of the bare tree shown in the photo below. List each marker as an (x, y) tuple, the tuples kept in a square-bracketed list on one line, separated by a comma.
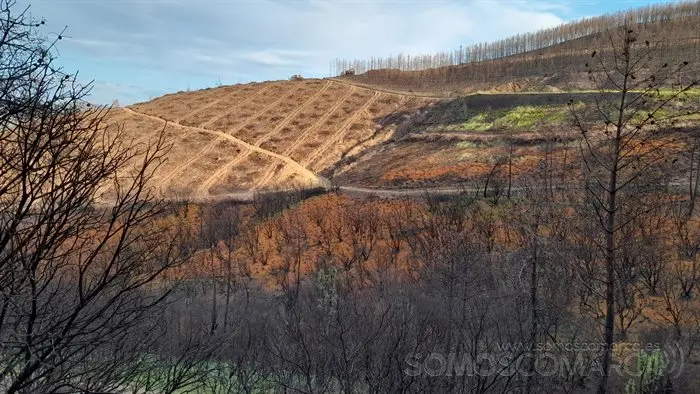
[(623, 144), (82, 246), (546, 51)]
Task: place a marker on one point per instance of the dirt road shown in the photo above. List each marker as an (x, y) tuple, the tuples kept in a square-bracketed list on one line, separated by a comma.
[(308, 175)]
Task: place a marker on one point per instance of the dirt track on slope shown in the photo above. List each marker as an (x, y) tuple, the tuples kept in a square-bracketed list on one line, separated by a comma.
[(308, 175), (234, 107), (394, 92), (304, 134), (221, 172), (353, 118)]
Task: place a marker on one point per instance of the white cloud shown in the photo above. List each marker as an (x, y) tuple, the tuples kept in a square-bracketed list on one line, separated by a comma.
[(105, 92), (276, 57), (266, 39)]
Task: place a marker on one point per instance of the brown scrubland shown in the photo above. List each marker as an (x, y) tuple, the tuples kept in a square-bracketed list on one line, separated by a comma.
[(253, 238)]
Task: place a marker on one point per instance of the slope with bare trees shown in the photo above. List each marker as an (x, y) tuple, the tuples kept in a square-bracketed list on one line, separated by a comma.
[(548, 57)]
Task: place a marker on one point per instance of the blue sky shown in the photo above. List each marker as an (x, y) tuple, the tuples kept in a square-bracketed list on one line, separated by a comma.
[(135, 50)]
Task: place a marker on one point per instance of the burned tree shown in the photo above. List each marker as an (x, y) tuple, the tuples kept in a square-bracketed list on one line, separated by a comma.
[(627, 146), (82, 249)]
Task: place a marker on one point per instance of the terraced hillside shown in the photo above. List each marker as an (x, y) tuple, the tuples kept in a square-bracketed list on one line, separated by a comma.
[(233, 140)]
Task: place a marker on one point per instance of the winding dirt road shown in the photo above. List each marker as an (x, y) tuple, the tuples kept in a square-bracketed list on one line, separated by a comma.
[(312, 179), (393, 92), (304, 134), (341, 132), (308, 175), (203, 189)]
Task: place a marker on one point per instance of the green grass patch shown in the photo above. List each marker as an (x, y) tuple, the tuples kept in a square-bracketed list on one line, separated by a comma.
[(480, 122), (529, 116), (521, 117), (202, 377), (466, 145), (667, 114), (665, 94)]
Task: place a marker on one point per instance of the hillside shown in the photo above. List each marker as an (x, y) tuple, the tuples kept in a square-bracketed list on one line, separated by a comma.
[(231, 140), (546, 60), (350, 235), (404, 122)]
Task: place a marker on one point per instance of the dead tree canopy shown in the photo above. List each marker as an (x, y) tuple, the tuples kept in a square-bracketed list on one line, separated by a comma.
[(77, 283)]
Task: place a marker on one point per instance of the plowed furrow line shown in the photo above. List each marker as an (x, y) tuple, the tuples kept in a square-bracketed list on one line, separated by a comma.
[(163, 183), (343, 129), (234, 107), (302, 137), (204, 188), (291, 116), (221, 172), (262, 111), (207, 106), (304, 172)]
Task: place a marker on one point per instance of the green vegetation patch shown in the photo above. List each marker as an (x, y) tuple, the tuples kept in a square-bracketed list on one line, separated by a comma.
[(466, 145), (668, 114), (693, 93), (520, 117), (525, 117), (479, 122), (528, 116)]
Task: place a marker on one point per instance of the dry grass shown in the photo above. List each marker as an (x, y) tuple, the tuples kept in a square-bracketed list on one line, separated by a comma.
[(243, 176), (175, 106), (258, 105), (313, 122), (336, 119), (185, 149), (420, 163), (222, 104), (201, 169), (302, 122)]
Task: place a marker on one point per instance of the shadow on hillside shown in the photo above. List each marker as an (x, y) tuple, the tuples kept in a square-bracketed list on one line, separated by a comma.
[(456, 110), (396, 120)]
